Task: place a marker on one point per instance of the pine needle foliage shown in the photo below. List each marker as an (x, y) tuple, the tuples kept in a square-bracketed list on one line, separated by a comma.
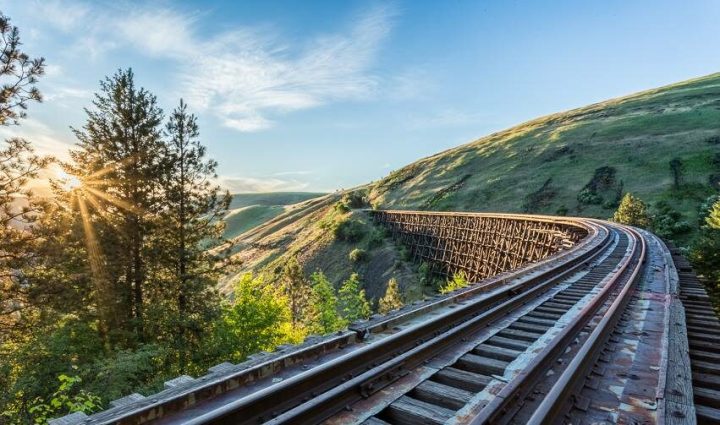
[(633, 212), (392, 300), (353, 303)]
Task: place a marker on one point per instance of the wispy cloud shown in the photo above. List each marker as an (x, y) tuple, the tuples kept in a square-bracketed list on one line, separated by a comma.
[(252, 184), (248, 76), (44, 139)]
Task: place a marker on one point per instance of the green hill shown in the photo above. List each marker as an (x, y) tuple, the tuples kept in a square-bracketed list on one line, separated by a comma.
[(578, 162), (240, 200), (248, 210)]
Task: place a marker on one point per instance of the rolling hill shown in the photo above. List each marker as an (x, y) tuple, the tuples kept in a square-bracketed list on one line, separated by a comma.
[(578, 162), (248, 210)]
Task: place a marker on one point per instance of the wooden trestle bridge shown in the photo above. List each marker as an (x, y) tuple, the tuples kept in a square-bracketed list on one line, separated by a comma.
[(569, 320)]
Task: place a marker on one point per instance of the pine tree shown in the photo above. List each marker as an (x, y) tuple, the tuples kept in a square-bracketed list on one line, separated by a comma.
[(392, 299), (19, 244), (18, 74), (325, 304), (119, 162), (298, 292), (353, 303), (632, 211), (19, 208), (191, 217)]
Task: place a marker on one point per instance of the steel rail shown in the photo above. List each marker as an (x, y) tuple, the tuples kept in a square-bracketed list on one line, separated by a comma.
[(164, 409), (576, 372), (512, 394), (324, 390)]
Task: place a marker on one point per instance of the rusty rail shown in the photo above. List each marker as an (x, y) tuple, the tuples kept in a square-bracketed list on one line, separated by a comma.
[(514, 266)]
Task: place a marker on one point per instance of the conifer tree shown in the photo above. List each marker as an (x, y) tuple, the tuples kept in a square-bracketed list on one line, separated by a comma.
[(353, 302), (119, 161), (190, 219), (18, 74), (632, 211), (298, 292), (392, 300), (19, 208), (325, 304)]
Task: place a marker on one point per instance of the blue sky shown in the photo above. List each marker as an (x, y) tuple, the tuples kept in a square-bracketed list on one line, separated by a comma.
[(320, 95)]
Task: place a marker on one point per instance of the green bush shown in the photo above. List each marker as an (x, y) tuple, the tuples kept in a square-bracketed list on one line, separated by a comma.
[(355, 199), (376, 238), (350, 230), (358, 255), (458, 281), (587, 196), (668, 222), (341, 206)]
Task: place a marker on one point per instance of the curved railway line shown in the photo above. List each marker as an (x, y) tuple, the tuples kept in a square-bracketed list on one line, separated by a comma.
[(571, 321)]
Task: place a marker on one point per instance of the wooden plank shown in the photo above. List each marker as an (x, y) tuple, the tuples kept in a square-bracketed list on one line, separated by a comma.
[(707, 415), (528, 327), (442, 395), (521, 335), (705, 356), (375, 421), (480, 364), (678, 385), (679, 413), (706, 367), (514, 344), (499, 353), (409, 411), (707, 397), (537, 321), (705, 380), (462, 379)]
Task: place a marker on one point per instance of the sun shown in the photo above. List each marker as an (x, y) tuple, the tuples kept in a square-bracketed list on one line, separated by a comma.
[(69, 182)]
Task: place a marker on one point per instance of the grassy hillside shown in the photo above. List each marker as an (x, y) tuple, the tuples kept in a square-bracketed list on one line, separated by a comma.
[(575, 163), (240, 200), (621, 145), (248, 210)]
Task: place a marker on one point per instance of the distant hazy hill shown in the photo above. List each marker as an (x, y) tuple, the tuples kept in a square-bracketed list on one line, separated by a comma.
[(248, 210), (576, 163)]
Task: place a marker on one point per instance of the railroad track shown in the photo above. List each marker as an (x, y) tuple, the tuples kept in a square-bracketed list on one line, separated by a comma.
[(703, 333), (476, 344), (519, 347)]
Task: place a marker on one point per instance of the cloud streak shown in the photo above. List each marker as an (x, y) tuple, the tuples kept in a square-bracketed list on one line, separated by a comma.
[(246, 77), (251, 184)]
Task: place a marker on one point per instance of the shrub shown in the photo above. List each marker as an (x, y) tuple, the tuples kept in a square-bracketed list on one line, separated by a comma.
[(563, 210), (341, 206), (65, 400), (355, 199), (392, 300), (713, 140), (350, 230), (587, 196), (668, 222), (458, 281), (376, 238), (357, 255)]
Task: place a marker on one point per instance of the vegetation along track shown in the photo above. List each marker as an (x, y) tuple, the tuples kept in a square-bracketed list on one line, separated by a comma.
[(517, 347)]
